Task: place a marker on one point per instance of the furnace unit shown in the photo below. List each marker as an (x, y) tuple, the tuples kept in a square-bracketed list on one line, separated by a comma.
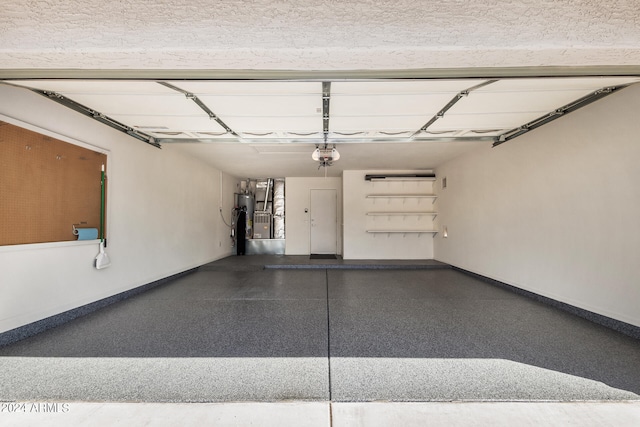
[(261, 225)]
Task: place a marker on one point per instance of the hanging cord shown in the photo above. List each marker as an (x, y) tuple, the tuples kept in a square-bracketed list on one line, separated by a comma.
[(233, 215), (234, 219), (220, 202), (102, 215), (223, 220)]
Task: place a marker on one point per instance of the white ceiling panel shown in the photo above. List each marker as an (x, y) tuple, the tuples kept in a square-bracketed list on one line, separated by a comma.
[(515, 101), (264, 105), (301, 135), (239, 88), (535, 97), (274, 124), (425, 105), (393, 98), (482, 121), (393, 134), (162, 105), (173, 135), (212, 134), (269, 137), (174, 123), (439, 134), (71, 87), (349, 135), (429, 134), (279, 149), (553, 84), (371, 136), (479, 132), (399, 87), (377, 123)]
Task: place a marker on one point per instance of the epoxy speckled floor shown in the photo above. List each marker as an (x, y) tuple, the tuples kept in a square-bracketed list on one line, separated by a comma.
[(228, 333)]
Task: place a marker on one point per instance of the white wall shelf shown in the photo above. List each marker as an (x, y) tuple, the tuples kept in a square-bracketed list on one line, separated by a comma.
[(402, 231), (398, 211), (434, 214), (404, 197), (401, 196), (402, 179)]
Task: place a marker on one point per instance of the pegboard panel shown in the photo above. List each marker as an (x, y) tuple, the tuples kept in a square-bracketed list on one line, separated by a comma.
[(46, 186)]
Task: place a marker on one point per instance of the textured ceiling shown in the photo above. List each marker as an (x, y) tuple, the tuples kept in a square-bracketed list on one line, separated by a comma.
[(41, 38), (317, 34)]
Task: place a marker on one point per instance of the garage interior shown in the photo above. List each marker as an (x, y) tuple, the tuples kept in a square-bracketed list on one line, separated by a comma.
[(479, 196)]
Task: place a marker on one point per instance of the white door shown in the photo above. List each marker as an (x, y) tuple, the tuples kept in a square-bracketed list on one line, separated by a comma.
[(324, 221)]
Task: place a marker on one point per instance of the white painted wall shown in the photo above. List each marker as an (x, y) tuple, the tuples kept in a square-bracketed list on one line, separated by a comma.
[(358, 244), (297, 223), (163, 218), (555, 212)]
